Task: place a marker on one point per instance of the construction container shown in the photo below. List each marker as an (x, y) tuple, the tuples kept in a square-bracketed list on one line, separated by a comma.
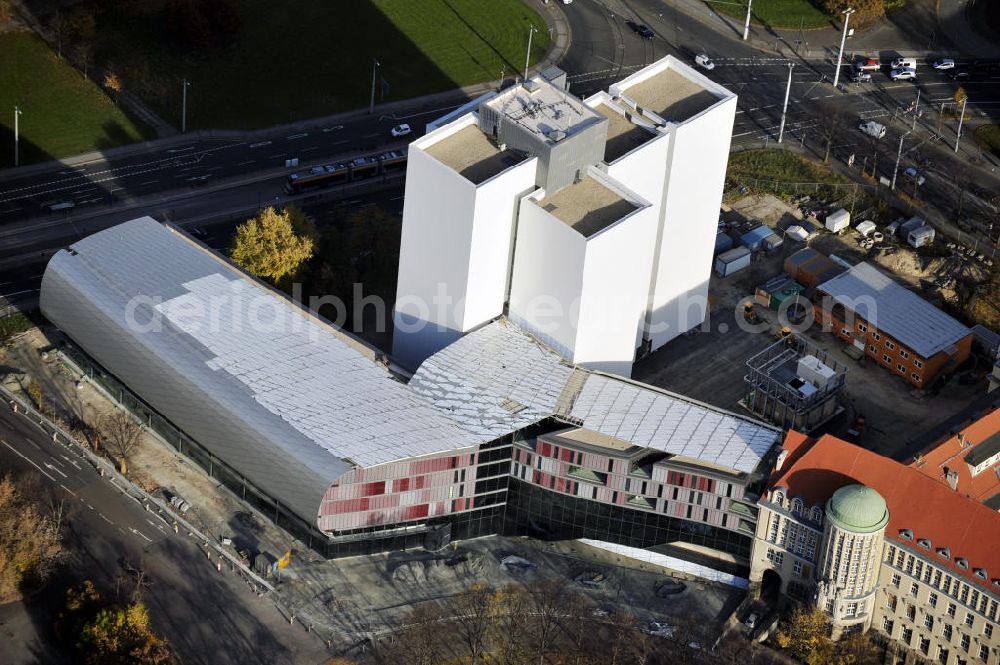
[(722, 243), (910, 225), (921, 236), (838, 220), (734, 260), (764, 292), (809, 268), (791, 290), (754, 239), (772, 242)]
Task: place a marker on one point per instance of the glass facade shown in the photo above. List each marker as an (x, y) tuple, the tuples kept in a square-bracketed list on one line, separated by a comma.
[(554, 516)]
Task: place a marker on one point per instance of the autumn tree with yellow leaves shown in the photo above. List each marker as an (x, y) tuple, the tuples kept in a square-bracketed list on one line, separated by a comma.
[(274, 244)]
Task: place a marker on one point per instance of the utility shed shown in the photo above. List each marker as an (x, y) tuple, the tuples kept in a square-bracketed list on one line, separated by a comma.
[(809, 268), (921, 236), (722, 243)]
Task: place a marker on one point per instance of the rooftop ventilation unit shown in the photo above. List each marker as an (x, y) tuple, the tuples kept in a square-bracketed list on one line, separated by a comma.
[(531, 86), (556, 135)]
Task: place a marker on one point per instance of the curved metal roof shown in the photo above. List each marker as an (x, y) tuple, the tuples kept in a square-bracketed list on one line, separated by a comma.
[(278, 394)]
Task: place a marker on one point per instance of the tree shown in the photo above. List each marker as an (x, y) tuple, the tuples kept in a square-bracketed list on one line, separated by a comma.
[(866, 12), (5, 12), (549, 602), (510, 624), (420, 642), (30, 539), (832, 123), (805, 635), (121, 433), (113, 83), (856, 649), (472, 614), (122, 635), (202, 24), (267, 245)]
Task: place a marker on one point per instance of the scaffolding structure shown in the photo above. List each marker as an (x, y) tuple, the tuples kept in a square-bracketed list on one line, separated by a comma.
[(781, 390)]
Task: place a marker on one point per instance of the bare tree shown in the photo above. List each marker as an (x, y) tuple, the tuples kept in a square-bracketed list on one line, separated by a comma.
[(511, 623), (472, 614), (549, 602), (420, 642), (121, 433), (832, 122)]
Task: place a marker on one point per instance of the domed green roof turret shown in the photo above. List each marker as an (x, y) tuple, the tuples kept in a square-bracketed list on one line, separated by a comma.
[(857, 508)]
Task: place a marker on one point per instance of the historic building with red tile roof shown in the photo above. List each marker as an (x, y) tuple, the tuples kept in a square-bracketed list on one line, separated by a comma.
[(880, 545), (968, 462)]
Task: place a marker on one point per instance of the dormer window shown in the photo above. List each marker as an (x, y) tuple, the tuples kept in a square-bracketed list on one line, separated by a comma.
[(815, 514), (944, 552), (923, 542), (980, 573), (906, 534), (962, 563), (778, 497), (797, 505)]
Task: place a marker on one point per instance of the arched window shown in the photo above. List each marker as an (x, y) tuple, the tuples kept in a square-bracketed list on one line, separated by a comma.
[(797, 505), (778, 497)]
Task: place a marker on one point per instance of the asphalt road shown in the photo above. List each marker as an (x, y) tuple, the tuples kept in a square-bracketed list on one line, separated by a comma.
[(207, 617)]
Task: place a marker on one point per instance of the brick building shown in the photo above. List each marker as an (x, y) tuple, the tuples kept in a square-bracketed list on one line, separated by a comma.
[(894, 326)]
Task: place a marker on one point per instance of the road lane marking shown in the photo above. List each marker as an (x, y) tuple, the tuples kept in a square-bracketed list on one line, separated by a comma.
[(214, 168), (296, 136), (249, 161), (260, 144), (67, 489), (339, 142), (140, 533), (148, 182), (332, 129), (315, 147), (105, 518), (18, 452), (280, 154), (52, 468), (368, 136)]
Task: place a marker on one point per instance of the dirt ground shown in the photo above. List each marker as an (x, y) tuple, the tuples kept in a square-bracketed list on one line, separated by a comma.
[(710, 364)]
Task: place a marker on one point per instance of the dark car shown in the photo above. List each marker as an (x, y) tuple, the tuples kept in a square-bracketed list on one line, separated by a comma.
[(959, 75), (645, 32)]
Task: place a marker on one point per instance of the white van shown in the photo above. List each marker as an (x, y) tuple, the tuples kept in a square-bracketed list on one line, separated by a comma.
[(872, 128), (904, 63)]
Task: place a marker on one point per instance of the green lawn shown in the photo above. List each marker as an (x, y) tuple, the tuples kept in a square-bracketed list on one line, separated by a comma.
[(291, 62), (62, 113), (988, 136), (776, 13), (772, 170)]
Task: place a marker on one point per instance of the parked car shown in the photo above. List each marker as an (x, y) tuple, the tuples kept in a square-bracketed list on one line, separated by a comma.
[(401, 130), (646, 32), (702, 60), (198, 233), (867, 64), (959, 75), (904, 63), (861, 77), (944, 63), (903, 74), (913, 174)]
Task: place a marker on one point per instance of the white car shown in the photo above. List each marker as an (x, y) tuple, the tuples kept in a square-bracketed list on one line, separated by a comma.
[(704, 61), (401, 130), (660, 629), (903, 74), (944, 63)]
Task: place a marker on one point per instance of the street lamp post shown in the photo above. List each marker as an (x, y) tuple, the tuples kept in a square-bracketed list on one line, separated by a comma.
[(746, 24), (843, 38), (784, 109), (371, 104), (17, 137), (527, 56), (899, 153), (916, 111), (184, 105), (961, 119)]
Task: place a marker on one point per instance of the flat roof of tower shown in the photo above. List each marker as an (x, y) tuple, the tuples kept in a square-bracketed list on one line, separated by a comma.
[(544, 109), (474, 156), (670, 94), (623, 135), (587, 206)]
